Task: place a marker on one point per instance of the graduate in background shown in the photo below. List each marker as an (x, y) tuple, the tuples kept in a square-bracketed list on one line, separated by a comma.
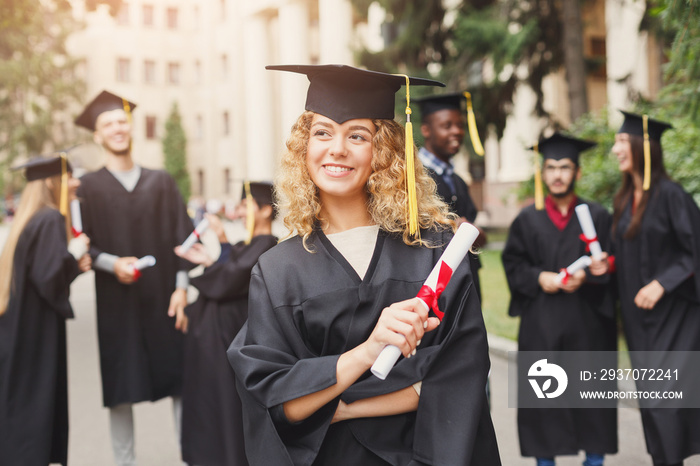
[(656, 250), (37, 265), (443, 129), (578, 315), (324, 303), (212, 422), (129, 212)]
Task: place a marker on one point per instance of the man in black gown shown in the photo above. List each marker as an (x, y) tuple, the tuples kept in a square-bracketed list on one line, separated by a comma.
[(574, 316), (129, 212), (442, 126)]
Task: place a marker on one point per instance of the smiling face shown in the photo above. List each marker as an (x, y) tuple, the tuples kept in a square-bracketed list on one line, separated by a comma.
[(622, 149), (113, 131), (444, 132), (339, 157)]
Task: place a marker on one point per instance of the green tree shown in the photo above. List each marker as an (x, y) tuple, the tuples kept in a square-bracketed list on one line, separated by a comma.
[(175, 152)]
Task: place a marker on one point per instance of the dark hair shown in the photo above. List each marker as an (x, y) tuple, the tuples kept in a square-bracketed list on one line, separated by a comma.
[(624, 195)]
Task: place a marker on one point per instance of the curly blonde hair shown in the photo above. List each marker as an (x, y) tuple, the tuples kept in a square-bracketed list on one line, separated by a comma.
[(297, 195)]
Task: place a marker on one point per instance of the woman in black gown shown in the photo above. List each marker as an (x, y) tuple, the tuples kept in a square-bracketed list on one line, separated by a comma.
[(37, 265), (656, 251), (324, 303)]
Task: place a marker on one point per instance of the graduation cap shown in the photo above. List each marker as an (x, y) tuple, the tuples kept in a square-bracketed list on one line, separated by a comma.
[(261, 192), (343, 93), (104, 102), (453, 101), (648, 128), (40, 167), (556, 147)]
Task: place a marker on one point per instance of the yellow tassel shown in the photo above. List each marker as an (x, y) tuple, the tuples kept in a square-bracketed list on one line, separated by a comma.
[(412, 199), (647, 155), (250, 213), (127, 109), (63, 204), (539, 191), (473, 132)]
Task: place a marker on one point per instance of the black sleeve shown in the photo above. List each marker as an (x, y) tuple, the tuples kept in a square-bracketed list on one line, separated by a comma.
[(519, 265)]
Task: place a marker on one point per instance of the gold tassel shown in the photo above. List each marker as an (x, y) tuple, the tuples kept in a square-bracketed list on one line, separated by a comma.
[(127, 109), (63, 204), (410, 168), (249, 212), (539, 191), (647, 154), (473, 132)]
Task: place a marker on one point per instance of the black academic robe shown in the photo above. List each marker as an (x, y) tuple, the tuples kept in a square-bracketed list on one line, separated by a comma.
[(580, 321), (140, 349), (308, 308), (460, 202), (667, 249), (33, 380), (212, 430)]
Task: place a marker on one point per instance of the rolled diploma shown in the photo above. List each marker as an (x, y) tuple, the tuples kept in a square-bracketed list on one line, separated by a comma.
[(76, 218), (452, 256), (579, 264), (194, 236), (584, 218), (144, 262)]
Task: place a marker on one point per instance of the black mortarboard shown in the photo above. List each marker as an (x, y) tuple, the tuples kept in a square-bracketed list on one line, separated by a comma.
[(435, 103), (261, 191), (634, 124), (40, 167), (343, 93), (104, 102), (559, 146)]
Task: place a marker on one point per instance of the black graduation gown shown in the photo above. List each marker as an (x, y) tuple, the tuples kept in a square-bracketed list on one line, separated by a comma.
[(579, 321), (33, 380), (308, 308), (461, 203), (212, 430), (667, 249), (140, 349)]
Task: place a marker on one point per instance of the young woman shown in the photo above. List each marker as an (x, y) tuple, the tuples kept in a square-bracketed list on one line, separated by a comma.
[(656, 246), (324, 303), (37, 265), (212, 430)]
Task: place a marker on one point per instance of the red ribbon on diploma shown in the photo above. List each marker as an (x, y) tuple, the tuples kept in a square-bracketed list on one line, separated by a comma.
[(137, 274), (566, 276), (75, 232), (431, 297), (588, 241)]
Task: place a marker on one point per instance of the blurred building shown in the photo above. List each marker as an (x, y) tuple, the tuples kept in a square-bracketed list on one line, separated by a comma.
[(209, 58)]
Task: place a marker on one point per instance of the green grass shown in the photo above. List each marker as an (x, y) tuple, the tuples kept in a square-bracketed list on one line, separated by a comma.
[(496, 296)]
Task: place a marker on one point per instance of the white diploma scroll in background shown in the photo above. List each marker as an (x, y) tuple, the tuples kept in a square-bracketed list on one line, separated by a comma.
[(194, 236), (76, 217), (144, 262), (579, 264), (452, 256), (584, 218)]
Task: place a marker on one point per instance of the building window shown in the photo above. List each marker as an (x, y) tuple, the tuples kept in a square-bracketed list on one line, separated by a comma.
[(123, 15), (150, 127), (148, 15), (226, 124), (171, 14), (195, 17), (199, 128), (173, 73), (200, 181), (227, 181), (149, 72), (224, 67), (123, 69), (597, 58), (223, 10), (197, 72)]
